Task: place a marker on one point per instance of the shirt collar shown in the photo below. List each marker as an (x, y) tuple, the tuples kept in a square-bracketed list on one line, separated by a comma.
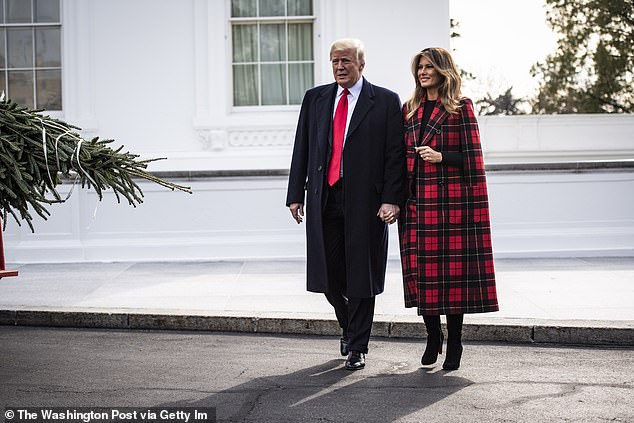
[(355, 90)]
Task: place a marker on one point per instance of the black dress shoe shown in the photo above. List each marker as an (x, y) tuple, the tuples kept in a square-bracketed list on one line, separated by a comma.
[(355, 360), (343, 346)]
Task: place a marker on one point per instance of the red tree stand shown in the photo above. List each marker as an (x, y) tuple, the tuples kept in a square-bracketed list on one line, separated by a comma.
[(3, 271)]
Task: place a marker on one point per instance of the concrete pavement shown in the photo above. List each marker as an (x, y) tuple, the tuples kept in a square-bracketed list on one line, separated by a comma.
[(291, 378), (571, 301)]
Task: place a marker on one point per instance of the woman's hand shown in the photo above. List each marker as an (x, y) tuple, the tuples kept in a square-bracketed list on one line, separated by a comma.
[(429, 154)]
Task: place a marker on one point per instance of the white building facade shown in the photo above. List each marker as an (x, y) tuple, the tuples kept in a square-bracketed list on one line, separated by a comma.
[(215, 85)]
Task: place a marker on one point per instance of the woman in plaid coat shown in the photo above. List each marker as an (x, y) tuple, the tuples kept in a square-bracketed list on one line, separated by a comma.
[(444, 228)]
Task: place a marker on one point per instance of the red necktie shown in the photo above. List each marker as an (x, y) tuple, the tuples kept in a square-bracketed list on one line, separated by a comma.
[(338, 131)]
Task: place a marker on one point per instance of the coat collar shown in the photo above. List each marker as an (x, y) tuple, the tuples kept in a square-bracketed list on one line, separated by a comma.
[(325, 105), (363, 106), (437, 118)]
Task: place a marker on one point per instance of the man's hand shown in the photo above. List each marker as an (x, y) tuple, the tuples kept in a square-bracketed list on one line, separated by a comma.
[(388, 213), (297, 211)]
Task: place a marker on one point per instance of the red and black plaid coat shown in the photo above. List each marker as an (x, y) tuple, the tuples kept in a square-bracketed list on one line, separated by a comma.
[(444, 228)]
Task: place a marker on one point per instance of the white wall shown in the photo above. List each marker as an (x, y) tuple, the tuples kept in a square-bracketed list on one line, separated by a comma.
[(534, 213), (143, 59), (155, 75), (128, 72), (562, 213)]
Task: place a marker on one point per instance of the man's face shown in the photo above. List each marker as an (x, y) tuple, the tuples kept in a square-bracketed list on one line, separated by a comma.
[(345, 67)]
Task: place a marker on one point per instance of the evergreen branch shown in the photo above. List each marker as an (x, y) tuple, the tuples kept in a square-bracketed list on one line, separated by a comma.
[(35, 150)]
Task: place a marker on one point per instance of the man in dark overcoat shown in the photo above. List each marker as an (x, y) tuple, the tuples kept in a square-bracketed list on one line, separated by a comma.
[(348, 168)]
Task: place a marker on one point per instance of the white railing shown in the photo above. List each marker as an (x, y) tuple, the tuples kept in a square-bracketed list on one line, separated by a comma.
[(557, 138)]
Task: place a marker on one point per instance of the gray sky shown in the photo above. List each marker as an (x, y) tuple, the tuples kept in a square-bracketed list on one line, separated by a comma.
[(500, 41)]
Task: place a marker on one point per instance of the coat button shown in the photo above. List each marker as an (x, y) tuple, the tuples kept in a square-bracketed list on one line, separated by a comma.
[(438, 131), (441, 182), (316, 191), (319, 169)]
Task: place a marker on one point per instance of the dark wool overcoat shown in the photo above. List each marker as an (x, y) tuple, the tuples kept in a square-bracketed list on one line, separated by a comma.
[(374, 173), (444, 229)]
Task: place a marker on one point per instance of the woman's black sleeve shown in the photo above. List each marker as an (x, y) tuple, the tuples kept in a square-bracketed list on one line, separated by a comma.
[(452, 159)]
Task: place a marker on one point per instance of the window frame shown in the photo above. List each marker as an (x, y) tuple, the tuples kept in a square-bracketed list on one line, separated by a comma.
[(258, 20), (32, 26)]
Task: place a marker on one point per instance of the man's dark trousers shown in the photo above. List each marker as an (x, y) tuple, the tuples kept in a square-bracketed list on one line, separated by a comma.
[(354, 315)]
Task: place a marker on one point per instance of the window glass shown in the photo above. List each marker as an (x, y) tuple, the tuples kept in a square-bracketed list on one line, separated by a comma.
[(272, 8), (272, 43), (245, 43), (20, 47), (49, 89), (273, 84), (300, 7), (300, 41), (46, 11), (300, 77), (21, 87), (243, 8), (18, 11), (3, 56), (47, 47), (245, 82)]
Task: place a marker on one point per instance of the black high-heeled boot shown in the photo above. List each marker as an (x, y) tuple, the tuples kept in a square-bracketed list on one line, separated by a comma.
[(434, 340), (454, 342)]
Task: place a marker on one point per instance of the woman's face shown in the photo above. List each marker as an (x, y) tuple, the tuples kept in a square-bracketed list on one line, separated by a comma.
[(428, 76)]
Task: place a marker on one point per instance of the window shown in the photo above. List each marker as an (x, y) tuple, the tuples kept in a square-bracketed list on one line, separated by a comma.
[(30, 52), (273, 61)]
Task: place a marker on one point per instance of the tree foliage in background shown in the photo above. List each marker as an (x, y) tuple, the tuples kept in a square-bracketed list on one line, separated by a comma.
[(503, 104), (454, 26), (37, 151), (592, 70)]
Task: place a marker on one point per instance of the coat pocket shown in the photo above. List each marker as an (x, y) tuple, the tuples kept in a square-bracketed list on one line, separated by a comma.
[(465, 204)]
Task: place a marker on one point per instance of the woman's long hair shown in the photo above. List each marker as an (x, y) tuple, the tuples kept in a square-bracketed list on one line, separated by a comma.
[(449, 90)]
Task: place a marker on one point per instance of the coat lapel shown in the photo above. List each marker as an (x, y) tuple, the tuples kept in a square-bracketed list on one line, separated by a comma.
[(363, 106), (413, 127), (325, 104), (437, 118), (412, 130)]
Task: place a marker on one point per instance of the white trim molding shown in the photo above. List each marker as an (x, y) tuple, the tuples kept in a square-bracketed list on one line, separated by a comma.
[(78, 77)]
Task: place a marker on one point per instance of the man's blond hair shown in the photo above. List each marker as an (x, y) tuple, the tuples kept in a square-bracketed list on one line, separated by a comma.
[(349, 44)]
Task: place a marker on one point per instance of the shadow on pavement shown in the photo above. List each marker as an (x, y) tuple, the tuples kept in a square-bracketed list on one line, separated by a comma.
[(327, 392)]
